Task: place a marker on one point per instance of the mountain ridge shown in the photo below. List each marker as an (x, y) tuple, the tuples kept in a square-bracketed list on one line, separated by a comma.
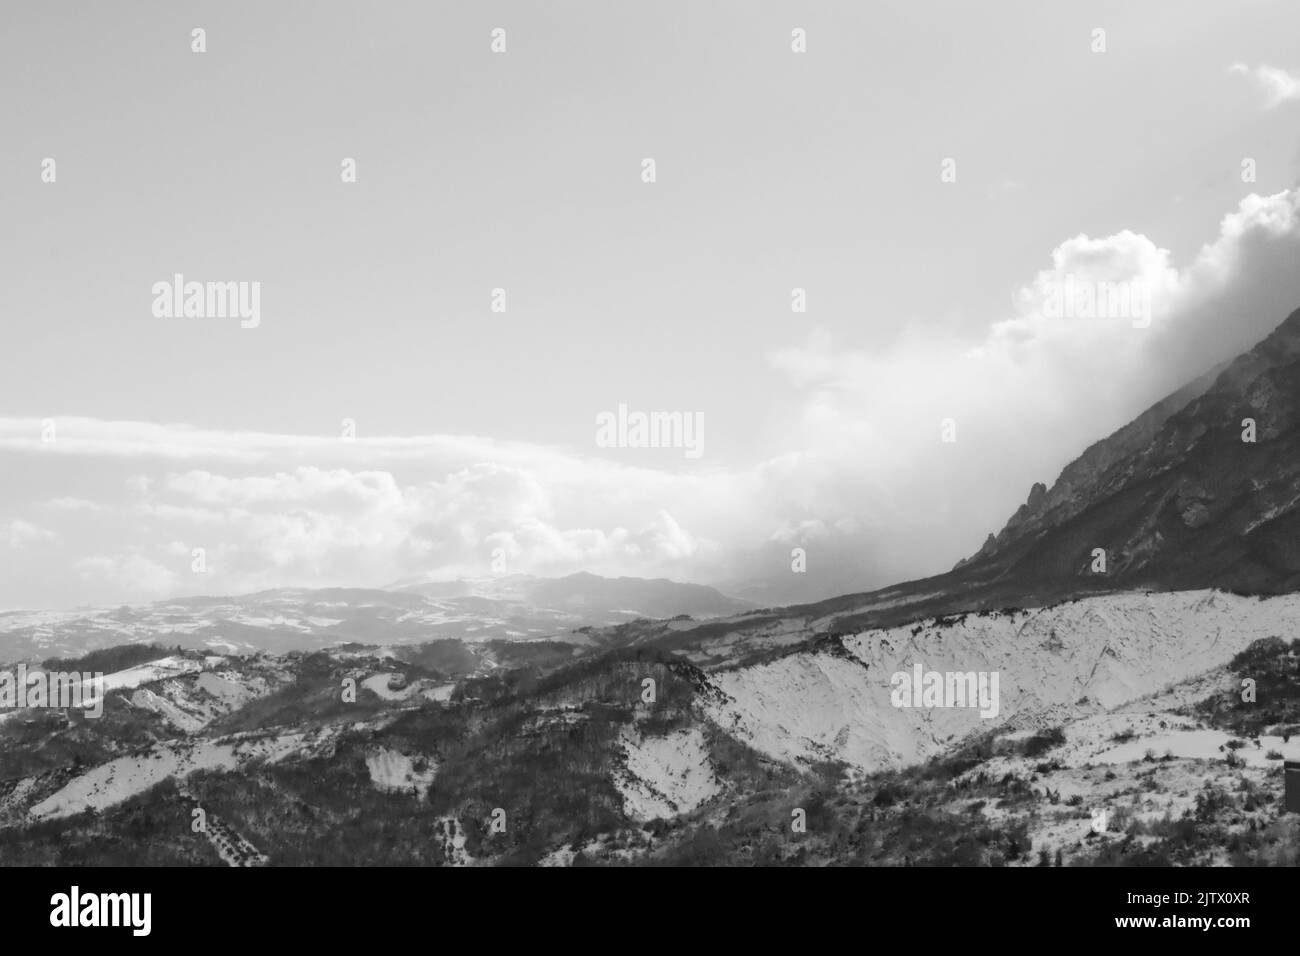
[(1188, 493)]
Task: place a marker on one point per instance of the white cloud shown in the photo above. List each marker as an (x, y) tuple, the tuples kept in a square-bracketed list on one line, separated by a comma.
[(1277, 85), (131, 574), (76, 435), (73, 504), (1032, 393), (19, 533)]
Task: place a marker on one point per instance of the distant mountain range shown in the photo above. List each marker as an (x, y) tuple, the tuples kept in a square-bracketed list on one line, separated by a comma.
[(590, 594), (511, 607)]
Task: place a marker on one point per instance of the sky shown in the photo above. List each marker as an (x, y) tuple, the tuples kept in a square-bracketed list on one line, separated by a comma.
[(929, 174)]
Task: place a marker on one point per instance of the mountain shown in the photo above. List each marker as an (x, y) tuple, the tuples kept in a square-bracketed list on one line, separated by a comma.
[(1177, 498), (506, 587), (1079, 479), (508, 608), (589, 594), (1125, 703), (655, 598)]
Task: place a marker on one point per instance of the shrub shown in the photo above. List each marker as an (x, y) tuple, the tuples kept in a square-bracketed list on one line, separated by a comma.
[(1041, 743)]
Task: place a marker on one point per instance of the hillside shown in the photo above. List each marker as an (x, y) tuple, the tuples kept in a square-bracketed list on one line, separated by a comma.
[(582, 766)]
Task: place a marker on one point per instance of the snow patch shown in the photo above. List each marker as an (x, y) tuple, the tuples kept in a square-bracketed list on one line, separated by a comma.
[(392, 770), (117, 780), (378, 684), (665, 776)]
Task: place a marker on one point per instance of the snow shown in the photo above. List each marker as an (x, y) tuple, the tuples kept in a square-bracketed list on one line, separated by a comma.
[(189, 703), (223, 689), (665, 776), (255, 620), (179, 718), (1202, 744), (441, 693), (110, 783), (148, 673), (125, 777), (1092, 741), (1094, 770), (391, 770), (13, 620), (452, 835), (132, 677), (1112, 649), (562, 857), (625, 846), (378, 684), (436, 692)]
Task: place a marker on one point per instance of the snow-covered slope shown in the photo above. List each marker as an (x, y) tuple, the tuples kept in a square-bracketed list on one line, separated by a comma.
[(117, 780), (1057, 663), (665, 776), (1129, 738), (393, 770), (193, 698)]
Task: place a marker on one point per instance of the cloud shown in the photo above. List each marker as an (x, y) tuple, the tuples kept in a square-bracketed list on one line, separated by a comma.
[(73, 504), (1032, 392), (1277, 85), (859, 475), (19, 533), (337, 488), (130, 573), (315, 526), (82, 436)]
